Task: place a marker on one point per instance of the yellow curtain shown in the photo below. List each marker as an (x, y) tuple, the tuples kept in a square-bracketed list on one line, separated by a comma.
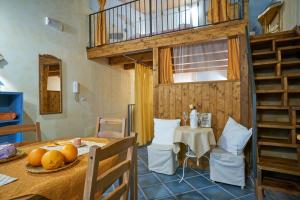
[(165, 66), (100, 37), (143, 103), (233, 70), (217, 11)]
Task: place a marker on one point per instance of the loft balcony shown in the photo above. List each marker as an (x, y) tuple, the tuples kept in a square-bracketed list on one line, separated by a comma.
[(141, 25)]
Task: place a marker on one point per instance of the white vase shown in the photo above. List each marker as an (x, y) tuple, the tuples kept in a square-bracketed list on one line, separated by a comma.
[(193, 119)]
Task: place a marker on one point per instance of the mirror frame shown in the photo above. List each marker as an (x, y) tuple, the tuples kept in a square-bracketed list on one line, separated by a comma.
[(46, 59)]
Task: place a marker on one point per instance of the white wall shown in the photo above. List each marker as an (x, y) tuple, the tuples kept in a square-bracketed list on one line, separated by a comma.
[(290, 14), (23, 36)]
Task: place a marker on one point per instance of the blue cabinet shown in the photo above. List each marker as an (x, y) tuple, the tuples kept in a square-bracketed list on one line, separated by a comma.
[(11, 102)]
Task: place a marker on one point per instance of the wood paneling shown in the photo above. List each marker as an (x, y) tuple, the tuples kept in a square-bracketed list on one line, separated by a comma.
[(221, 98), (155, 81)]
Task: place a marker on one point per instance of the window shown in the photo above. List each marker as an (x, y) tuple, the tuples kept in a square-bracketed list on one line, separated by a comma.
[(201, 62)]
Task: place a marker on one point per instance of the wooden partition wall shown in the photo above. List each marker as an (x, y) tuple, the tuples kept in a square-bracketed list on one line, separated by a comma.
[(221, 98)]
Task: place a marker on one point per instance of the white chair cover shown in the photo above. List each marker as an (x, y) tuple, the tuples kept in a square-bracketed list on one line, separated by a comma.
[(162, 159), (227, 168)]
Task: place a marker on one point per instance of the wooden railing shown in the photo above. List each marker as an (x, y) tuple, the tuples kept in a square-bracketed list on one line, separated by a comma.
[(146, 18)]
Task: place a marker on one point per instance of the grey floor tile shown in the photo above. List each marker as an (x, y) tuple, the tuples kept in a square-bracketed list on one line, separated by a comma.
[(199, 182), (206, 176), (201, 171), (248, 197), (188, 172), (215, 193), (156, 191), (178, 188), (167, 198), (167, 178), (147, 180), (197, 178), (144, 158), (190, 196), (141, 163), (236, 190), (140, 195), (143, 170)]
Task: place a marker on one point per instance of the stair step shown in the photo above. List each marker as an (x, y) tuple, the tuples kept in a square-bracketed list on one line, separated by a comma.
[(281, 185), (272, 107), (287, 41), (289, 48), (260, 40), (294, 75), (280, 165), (276, 143), (269, 91), (279, 125), (295, 107), (278, 35), (264, 52), (290, 62), (267, 77), (265, 62), (293, 90)]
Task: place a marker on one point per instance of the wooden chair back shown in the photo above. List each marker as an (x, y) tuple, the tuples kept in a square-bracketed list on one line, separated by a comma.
[(122, 171), (9, 130), (109, 133)]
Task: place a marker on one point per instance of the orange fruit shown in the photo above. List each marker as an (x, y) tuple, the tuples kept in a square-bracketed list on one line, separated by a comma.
[(69, 152), (35, 157), (53, 159)]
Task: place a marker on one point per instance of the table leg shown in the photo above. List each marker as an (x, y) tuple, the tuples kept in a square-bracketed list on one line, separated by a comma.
[(185, 163)]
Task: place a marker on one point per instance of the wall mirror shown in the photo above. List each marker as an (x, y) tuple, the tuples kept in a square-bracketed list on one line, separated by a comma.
[(50, 85)]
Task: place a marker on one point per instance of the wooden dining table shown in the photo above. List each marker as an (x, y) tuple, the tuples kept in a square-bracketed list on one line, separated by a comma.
[(64, 184)]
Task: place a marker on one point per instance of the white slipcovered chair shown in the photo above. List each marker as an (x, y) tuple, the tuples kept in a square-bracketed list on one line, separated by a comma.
[(161, 157), (227, 161)]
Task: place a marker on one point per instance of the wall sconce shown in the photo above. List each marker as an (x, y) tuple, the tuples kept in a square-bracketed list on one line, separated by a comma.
[(54, 24), (76, 90)]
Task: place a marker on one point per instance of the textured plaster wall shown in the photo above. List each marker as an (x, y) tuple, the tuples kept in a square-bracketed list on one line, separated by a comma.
[(104, 90)]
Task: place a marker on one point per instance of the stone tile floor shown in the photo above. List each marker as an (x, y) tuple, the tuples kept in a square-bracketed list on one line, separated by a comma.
[(195, 186)]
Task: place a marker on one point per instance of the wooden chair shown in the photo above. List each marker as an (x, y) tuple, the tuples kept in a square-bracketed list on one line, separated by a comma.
[(9, 130), (110, 121), (122, 171)]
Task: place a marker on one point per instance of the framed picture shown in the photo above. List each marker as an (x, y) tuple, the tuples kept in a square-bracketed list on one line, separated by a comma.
[(205, 120)]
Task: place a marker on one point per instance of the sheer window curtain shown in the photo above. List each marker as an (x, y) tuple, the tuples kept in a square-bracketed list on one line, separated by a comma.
[(143, 103), (165, 66), (201, 62)]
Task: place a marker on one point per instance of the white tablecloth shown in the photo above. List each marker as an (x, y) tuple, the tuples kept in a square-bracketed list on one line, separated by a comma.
[(199, 140)]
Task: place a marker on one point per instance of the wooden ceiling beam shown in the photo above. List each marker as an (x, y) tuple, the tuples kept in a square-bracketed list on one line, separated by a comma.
[(190, 36), (132, 65), (121, 60)]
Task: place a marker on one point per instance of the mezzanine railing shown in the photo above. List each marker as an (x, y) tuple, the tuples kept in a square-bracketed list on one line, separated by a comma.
[(146, 18)]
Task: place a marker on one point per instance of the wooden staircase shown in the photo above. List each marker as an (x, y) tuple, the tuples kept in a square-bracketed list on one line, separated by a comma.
[(276, 65)]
